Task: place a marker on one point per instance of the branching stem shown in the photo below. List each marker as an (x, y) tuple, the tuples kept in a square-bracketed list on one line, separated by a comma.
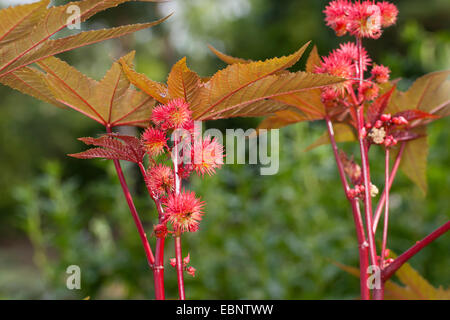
[(382, 200), (411, 252), (362, 243)]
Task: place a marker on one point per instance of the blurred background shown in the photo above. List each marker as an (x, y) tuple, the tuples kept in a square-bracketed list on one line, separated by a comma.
[(263, 237)]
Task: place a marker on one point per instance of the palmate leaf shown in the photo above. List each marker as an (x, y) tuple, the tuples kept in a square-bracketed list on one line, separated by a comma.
[(182, 82), (307, 103), (414, 159), (154, 89), (255, 88), (113, 147), (110, 101), (25, 31), (429, 93), (217, 92), (259, 98), (427, 99), (53, 47), (32, 82), (16, 22)]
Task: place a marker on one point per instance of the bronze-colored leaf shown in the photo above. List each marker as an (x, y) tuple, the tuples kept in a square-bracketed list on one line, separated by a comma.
[(114, 147), (25, 31), (257, 98), (32, 82), (282, 119), (53, 47), (16, 22), (313, 60), (414, 159), (226, 58), (154, 89), (415, 287), (110, 102), (182, 82), (377, 108), (430, 93), (230, 81), (342, 133)]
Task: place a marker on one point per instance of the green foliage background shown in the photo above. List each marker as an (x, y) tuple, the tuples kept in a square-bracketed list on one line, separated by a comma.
[(263, 236)]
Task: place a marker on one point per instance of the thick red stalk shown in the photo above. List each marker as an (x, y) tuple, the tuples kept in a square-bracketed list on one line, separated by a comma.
[(158, 271), (363, 251), (411, 252), (382, 200), (178, 252), (379, 294), (180, 268), (362, 243), (134, 213), (366, 170), (137, 220), (365, 166)]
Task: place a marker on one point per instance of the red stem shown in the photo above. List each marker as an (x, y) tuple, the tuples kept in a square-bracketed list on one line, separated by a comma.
[(379, 293), (379, 209), (159, 261), (362, 243), (180, 271), (365, 167), (411, 252), (134, 213), (159, 270), (386, 211), (178, 252), (363, 251)]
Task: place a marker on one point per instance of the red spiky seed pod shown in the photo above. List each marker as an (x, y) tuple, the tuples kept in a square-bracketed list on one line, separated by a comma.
[(389, 13), (154, 141), (184, 211), (365, 20), (336, 16), (175, 114), (160, 179), (369, 91), (207, 156), (380, 73)]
